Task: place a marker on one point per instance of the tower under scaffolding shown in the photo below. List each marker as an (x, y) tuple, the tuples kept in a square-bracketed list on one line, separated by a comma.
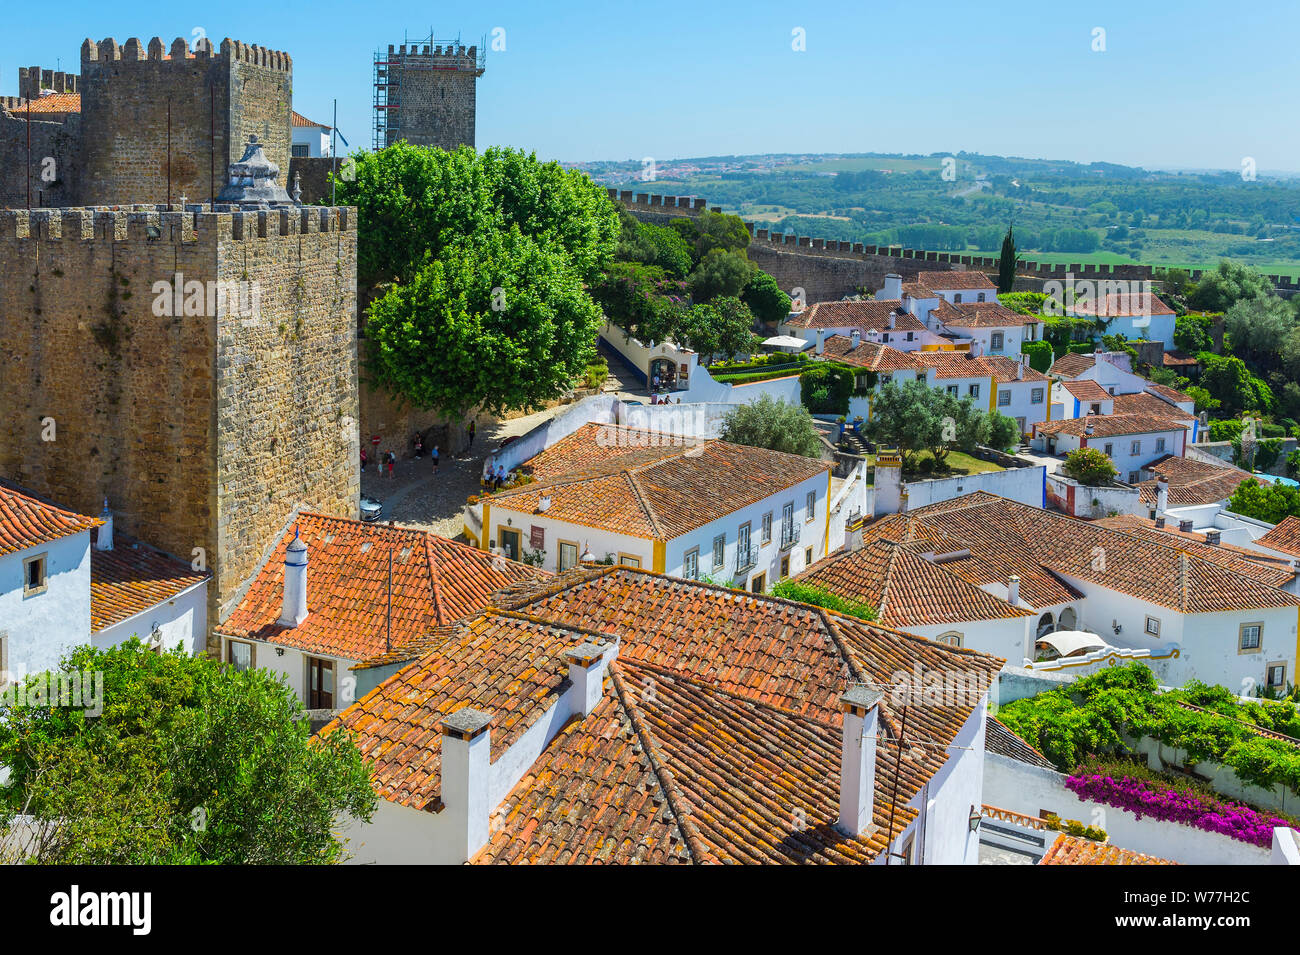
[(425, 92)]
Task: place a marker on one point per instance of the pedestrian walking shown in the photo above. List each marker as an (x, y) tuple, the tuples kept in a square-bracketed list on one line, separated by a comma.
[(469, 433), (434, 454), (392, 459)]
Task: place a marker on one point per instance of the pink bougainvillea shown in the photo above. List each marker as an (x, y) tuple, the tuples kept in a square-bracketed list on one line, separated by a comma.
[(1147, 799)]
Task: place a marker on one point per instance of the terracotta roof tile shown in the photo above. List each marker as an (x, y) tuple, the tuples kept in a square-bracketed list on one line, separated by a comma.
[(303, 122), (680, 489), (1178, 359), (1191, 481), (1169, 394), (63, 103), (864, 314), (26, 521), (1073, 850), (1072, 365), (956, 281), (131, 578), (904, 588), (998, 738), (1275, 572), (986, 315), (1113, 425), (1148, 404), (871, 355), (1284, 537), (1121, 304), (1087, 390), (435, 581)]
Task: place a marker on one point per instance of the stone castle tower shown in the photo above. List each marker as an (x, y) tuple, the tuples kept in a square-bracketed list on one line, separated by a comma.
[(154, 123), (197, 368), (426, 95)]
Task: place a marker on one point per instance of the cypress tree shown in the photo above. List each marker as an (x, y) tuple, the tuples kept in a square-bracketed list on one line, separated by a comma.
[(1007, 263)]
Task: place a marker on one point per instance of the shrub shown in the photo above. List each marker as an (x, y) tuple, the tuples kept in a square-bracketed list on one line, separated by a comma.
[(1040, 354), (819, 597), (1089, 467)]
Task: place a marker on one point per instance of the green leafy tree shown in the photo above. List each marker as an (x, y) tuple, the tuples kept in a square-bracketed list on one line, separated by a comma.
[(1219, 290), (1271, 503), (915, 418), (724, 326), (1257, 328), (720, 274), (473, 269), (1089, 467), (1193, 332), (1227, 380), (825, 387), (765, 298), (773, 424), (719, 230), (190, 761), (1007, 263)]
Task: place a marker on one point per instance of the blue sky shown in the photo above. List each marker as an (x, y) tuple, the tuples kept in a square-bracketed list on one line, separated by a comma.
[(1179, 85)]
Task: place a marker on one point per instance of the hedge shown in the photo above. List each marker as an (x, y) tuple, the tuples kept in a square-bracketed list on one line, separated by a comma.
[(740, 378), (1040, 354)]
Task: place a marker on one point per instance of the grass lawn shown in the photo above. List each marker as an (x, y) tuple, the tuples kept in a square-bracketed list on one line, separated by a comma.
[(958, 464)]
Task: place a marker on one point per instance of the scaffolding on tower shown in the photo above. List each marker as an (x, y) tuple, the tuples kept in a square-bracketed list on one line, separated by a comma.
[(390, 69)]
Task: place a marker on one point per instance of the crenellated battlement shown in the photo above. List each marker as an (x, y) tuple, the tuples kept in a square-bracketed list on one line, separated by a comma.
[(898, 258), (161, 223), (95, 55)]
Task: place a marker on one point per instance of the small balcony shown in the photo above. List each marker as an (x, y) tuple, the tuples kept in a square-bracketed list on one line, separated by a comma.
[(789, 535), (746, 557)]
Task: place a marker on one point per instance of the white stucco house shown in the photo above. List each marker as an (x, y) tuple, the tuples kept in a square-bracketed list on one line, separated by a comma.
[(1131, 441), (335, 591), (66, 580), (1207, 612), (884, 320), (574, 721), (1138, 315), (670, 504), (310, 139)]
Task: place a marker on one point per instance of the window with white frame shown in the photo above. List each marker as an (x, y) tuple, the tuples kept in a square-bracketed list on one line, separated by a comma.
[(975, 390), (767, 528), (1036, 396), (1004, 397), (691, 564), (1153, 626), (810, 506), (995, 341), (1275, 676), (1109, 449), (1250, 637), (239, 655), (1135, 447), (952, 390), (952, 639), (1160, 444), (719, 551)]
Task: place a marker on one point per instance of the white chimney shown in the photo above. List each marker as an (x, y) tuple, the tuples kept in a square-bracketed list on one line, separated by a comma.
[(858, 759), (466, 768), (1087, 423), (975, 348), (893, 289), (544, 503), (855, 337), (891, 321), (821, 340), (104, 539), (294, 609), (1020, 370), (587, 674), (1013, 590), (1162, 496)]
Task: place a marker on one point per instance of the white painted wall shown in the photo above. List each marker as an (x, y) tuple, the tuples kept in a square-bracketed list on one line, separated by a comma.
[(183, 619), (1031, 790), (1026, 485), (291, 666), (601, 542), (1010, 638), (954, 791), (1021, 395), (41, 628), (812, 529), (1121, 452)]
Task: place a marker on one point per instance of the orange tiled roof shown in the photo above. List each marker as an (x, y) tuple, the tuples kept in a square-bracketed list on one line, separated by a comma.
[(998, 738), (867, 354), (1149, 404), (1073, 850), (1191, 481), (434, 581), (131, 578), (953, 364), (740, 735), (1178, 359), (50, 103), (27, 522), (986, 315), (1164, 573), (1164, 391), (678, 490), (1275, 572), (1284, 537), (905, 589), (955, 281), (1072, 364), (865, 314), (1087, 390), (302, 121), (1120, 304), (1113, 425)]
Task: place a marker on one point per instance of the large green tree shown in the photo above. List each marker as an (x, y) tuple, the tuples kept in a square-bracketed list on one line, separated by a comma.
[(474, 269), (773, 424), (189, 761), (1220, 289), (913, 417), (765, 299)]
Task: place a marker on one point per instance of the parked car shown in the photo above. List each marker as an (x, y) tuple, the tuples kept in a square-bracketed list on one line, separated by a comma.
[(371, 510)]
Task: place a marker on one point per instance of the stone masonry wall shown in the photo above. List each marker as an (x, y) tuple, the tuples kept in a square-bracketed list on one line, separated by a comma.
[(204, 430), (435, 94), (58, 141), (216, 99)]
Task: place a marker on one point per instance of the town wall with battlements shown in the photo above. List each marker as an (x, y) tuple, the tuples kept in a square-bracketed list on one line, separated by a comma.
[(204, 427)]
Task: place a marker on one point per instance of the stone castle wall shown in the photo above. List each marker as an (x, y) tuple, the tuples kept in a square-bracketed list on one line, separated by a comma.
[(60, 142), (203, 430), (125, 150), (828, 269), (434, 90)]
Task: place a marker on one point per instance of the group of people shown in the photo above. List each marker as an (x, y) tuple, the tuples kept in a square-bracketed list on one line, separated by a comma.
[(387, 460), (658, 399), (386, 463), (496, 478)]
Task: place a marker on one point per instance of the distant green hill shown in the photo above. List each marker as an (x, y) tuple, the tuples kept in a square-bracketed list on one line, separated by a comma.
[(1063, 211)]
